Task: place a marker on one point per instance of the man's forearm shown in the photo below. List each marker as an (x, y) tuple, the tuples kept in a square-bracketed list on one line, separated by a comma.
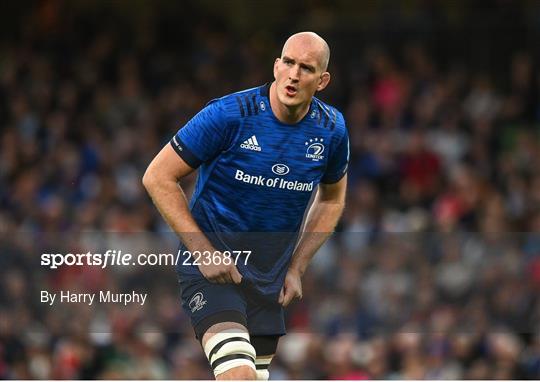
[(171, 202), (321, 221)]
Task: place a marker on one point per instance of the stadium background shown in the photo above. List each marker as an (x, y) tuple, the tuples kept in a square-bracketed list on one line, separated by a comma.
[(436, 270)]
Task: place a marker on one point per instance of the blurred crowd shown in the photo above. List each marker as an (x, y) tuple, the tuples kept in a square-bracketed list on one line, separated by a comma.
[(438, 251)]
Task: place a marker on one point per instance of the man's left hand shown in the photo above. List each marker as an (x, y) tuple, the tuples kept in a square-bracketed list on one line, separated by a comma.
[(292, 288)]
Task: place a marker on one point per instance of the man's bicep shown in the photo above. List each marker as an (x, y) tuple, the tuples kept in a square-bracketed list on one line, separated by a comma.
[(168, 164), (333, 192), (204, 136), (338, 162)]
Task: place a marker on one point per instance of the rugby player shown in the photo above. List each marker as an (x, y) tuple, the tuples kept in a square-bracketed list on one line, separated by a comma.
[(261, 154)]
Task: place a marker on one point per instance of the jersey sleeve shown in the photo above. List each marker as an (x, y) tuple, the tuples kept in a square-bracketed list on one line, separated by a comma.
[(203, 137), (338, 161)]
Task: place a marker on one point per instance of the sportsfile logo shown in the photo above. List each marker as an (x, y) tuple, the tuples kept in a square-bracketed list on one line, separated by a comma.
[(251, 144), (259, 180)]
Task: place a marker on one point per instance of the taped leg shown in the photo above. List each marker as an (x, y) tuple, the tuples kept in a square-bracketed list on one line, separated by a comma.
[(228, 349), (265, 348)]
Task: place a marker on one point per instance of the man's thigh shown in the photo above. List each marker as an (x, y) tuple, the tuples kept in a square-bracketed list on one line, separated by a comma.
[(218, 316), (266, 324), (229, 351), (264, 317), (207, 304)]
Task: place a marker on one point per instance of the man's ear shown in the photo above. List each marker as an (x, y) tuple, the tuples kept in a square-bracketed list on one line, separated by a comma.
[(323, 82), (276, 62)]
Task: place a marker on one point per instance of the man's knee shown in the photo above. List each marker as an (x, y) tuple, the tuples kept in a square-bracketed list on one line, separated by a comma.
[(230, 352), (238, 373)]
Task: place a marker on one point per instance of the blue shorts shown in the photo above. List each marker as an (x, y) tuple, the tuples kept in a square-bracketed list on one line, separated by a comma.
[(203, 301)]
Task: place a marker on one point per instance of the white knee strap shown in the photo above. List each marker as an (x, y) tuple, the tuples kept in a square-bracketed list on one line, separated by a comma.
[(261, 364), (229, 349)]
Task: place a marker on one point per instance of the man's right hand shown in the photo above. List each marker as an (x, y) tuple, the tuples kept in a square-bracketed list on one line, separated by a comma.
[(220, 273)]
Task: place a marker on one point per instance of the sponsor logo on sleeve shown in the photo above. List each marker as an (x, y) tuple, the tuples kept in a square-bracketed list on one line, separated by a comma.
[(176, 144)]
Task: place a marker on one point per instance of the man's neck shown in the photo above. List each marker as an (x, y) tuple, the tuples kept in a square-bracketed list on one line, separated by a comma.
[(283, 113)]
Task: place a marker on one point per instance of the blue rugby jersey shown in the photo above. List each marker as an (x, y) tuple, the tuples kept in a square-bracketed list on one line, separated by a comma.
[(256, 177)]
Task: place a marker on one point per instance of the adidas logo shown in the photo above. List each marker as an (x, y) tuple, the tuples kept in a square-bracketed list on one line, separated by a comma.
[(251, 144)]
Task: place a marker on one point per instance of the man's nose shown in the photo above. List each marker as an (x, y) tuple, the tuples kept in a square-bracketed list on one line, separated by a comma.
[(294, 73)]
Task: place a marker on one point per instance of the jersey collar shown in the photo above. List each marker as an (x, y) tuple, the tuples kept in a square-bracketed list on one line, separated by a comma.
[(264, 91)]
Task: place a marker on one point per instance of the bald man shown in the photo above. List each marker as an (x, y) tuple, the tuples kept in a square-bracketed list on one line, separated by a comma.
[(262, 153)]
